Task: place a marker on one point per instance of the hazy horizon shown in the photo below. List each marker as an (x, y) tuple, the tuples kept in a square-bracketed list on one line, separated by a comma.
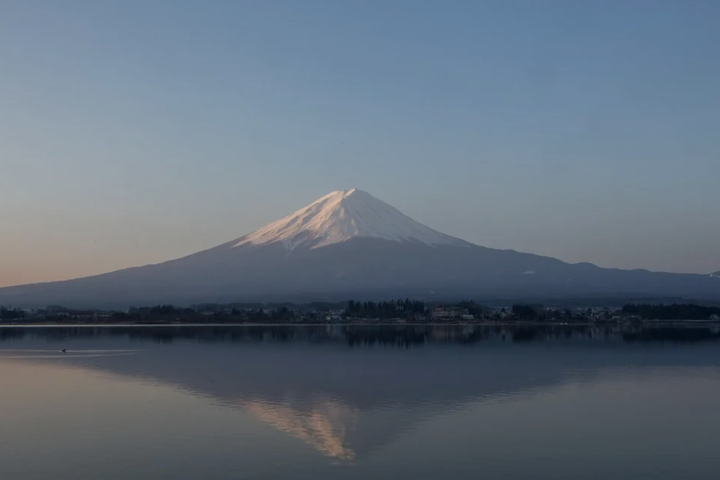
[(134, 132)]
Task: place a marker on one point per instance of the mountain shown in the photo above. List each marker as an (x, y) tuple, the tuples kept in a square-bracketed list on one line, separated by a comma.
[(349, 244)]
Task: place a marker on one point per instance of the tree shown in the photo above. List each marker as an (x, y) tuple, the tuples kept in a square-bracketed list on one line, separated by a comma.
[(523, 311), (7, 314)]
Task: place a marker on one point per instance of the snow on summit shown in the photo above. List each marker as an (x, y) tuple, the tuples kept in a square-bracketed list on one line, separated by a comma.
[(343, 215)]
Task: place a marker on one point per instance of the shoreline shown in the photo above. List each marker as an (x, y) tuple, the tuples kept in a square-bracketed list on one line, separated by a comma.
[(647, 323)]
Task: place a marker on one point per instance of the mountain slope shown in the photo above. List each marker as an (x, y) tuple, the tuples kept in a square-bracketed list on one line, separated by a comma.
[(349, 244)]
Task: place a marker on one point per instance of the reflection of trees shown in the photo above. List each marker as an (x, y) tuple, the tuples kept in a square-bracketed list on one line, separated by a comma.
[(363, 335), (675, 335), (9, 334), (525, 334), (388, 336)]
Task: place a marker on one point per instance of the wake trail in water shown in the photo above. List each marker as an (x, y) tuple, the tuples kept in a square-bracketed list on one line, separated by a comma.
[(49, 354)]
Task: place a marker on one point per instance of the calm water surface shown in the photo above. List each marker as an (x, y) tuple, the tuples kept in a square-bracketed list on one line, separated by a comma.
[(358, 403)]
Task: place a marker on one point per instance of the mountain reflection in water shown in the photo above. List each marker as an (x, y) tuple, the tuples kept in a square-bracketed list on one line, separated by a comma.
[(349, 390)]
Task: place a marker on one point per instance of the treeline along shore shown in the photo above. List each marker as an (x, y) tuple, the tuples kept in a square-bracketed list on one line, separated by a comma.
[(365, 312)]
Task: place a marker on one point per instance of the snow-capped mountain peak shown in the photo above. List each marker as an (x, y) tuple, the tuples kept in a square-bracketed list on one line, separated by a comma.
[(342, 215)]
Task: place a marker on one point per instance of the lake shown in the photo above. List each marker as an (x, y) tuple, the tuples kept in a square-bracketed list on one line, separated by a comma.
[(354, 402)]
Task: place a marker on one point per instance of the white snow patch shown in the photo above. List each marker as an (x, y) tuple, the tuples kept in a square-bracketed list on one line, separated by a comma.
[(341, 216)]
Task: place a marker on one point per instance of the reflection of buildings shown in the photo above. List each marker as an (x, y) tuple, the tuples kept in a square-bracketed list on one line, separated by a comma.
[(342, 398)]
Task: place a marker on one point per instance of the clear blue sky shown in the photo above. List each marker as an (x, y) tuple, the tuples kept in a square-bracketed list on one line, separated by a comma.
[(134, 131)]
